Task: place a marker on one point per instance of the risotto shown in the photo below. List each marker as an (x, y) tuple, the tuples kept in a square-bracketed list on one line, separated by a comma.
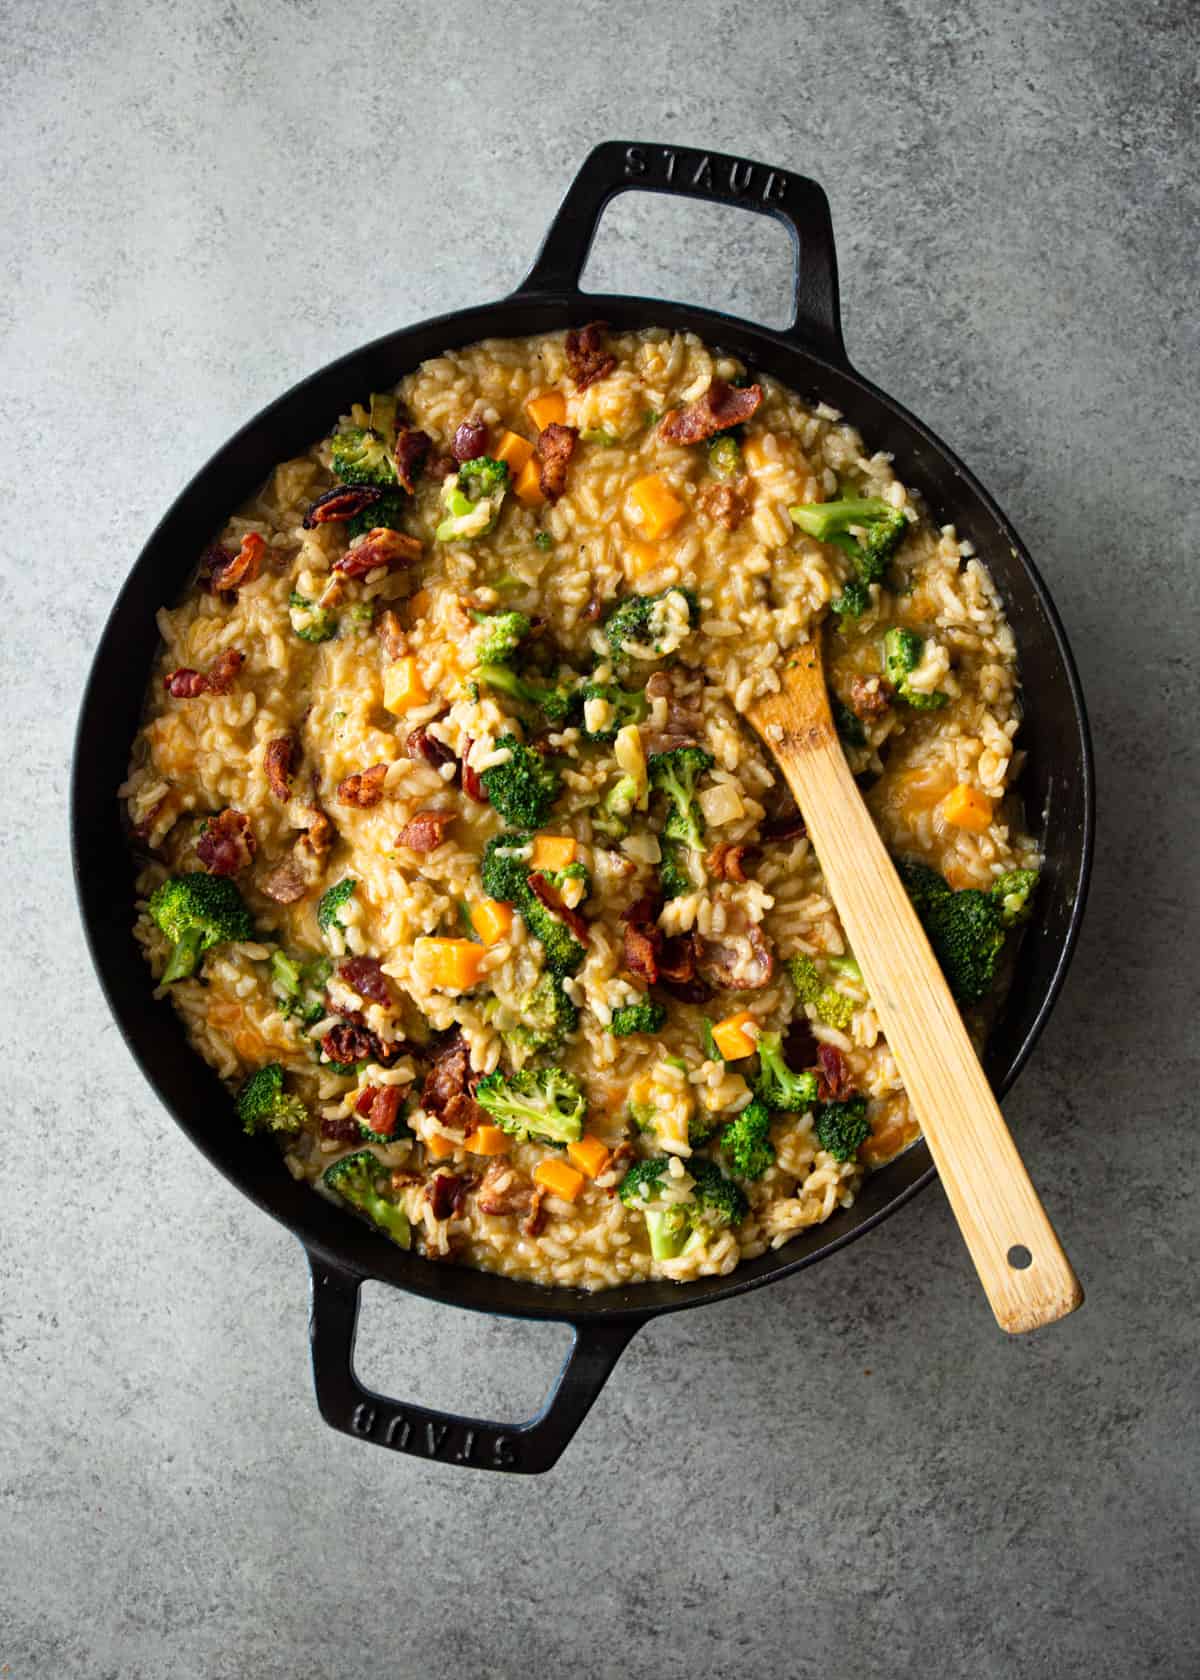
[(458, 860)]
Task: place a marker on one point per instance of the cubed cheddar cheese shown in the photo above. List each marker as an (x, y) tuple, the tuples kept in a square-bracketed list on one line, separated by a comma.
[(491, 919), (514, 449), (589, 1154), (488, 1140), (657, 508), (548, 409), (732, 1039), (402, 686), (966, 807), (450, 965), (558, 1178), (528, 488), (439, 1147), (553, 851)]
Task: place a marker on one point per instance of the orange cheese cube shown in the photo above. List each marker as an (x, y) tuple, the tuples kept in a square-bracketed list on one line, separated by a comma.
[(732, 1039), (548, 409), (488, 1140), (657, 506), (439, 1147), (966, 807), (402, 685), (590, 1155), (491, 919), (452, 965), (553, 851), (558, 1178), (528, 488), (514, 449), (640, 557)]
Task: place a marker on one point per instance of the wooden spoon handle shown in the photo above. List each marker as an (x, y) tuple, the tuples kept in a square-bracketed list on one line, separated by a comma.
[(1025, 1274)]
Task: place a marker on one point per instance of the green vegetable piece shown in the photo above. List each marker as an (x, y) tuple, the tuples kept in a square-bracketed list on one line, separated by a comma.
[(263, 1104), (777, 1085), (675, 774), (472, 498), (725, 456), (842, 1126), (523, 788), (965, 929), (362, 1181), (902, 651), (646, 1016), (197, 912), (746, 1143), (333, 901), (362, 456), (543, 1103), (309, 621)]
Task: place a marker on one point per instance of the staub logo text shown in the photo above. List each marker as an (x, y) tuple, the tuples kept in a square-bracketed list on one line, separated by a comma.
[(433, 1438), (705, 172)]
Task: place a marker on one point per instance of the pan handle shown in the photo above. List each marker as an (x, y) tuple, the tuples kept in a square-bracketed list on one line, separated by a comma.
[(521, 1448), (797, 202)]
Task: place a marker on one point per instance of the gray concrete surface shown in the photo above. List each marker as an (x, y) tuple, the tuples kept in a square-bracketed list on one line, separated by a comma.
[(852, 1473)]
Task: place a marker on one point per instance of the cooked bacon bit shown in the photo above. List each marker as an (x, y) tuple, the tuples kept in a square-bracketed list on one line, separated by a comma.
[(347, 1042), (384, 1110), (362, 1104), (448, 1087), (440, 466), (364, 788), (409, 450), (800, 1044), (677, 958), (722, 406), (446, 1193), (425, 831), (552, 899), (212, 560), (279, 762), (472, 786), (242, 567), (725, 965), (421, 744), (835, 1082), (227, 844), (643, 911), (555, 447), (588, 357), (402, 1177), (788, 825), (365, 976), (286, 883), (470, 441), (640, 955), (343, 1129), (536, 1217), (344, 501), (186, 684), (727, 862), (318, 836), (391, 634), (380, 547), (504, 1190), (726, 504), (871, 697)]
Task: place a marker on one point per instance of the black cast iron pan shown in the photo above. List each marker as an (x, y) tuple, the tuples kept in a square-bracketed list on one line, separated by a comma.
[(809, 357)]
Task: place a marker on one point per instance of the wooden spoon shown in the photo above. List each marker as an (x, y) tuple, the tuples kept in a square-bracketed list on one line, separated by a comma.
[(1025, 1274)]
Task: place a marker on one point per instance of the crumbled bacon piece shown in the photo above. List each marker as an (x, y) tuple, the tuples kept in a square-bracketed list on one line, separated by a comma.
[(318, 836), (555, 447), (421, 744), (727, 862), (504, 1190), (470, 440), (722, 406), (533, 1221), (343, 502), (871, 697), (425, 831), (640, 955), (379, 547), (835, 1082), (365, 976), (279, 763), (215, 556), (340, 1129), (286, 883), (227, 844), (726, 504), (449, 1084), (588, 356), (391, 635), (440, 466), (362, 1103), (409, 450), (643, 910), (472, 785), (788, 825), (800, 1044), (550, 896), (186, 684), (347, 1042), (239, 568), (446, 1193), (364, 788), (384, 1110)]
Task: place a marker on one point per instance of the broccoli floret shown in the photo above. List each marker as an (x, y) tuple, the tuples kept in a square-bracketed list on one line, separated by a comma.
[(842, 1126), (902, 650), (332, 901), (472, 499), (299, 987), (506, 877), (362, 456), (868, 529), (854, 599), (548, 1017), (311, 622), (832, 1007), (361, 617), (362, 1181), (676, 774), (719, 1202), (197, 912), (848, 726), (645, 1016), (543, 1103), (607, 708), (385, 514), (725, 456), (505, 633), (1013, 893), (524, 787), (263, 1103), (634, 627), (673, 875), (746, 1143), (777, 1085), (543, 540), (556, 701), (678, 1225), (965, 928), (612, 815)]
